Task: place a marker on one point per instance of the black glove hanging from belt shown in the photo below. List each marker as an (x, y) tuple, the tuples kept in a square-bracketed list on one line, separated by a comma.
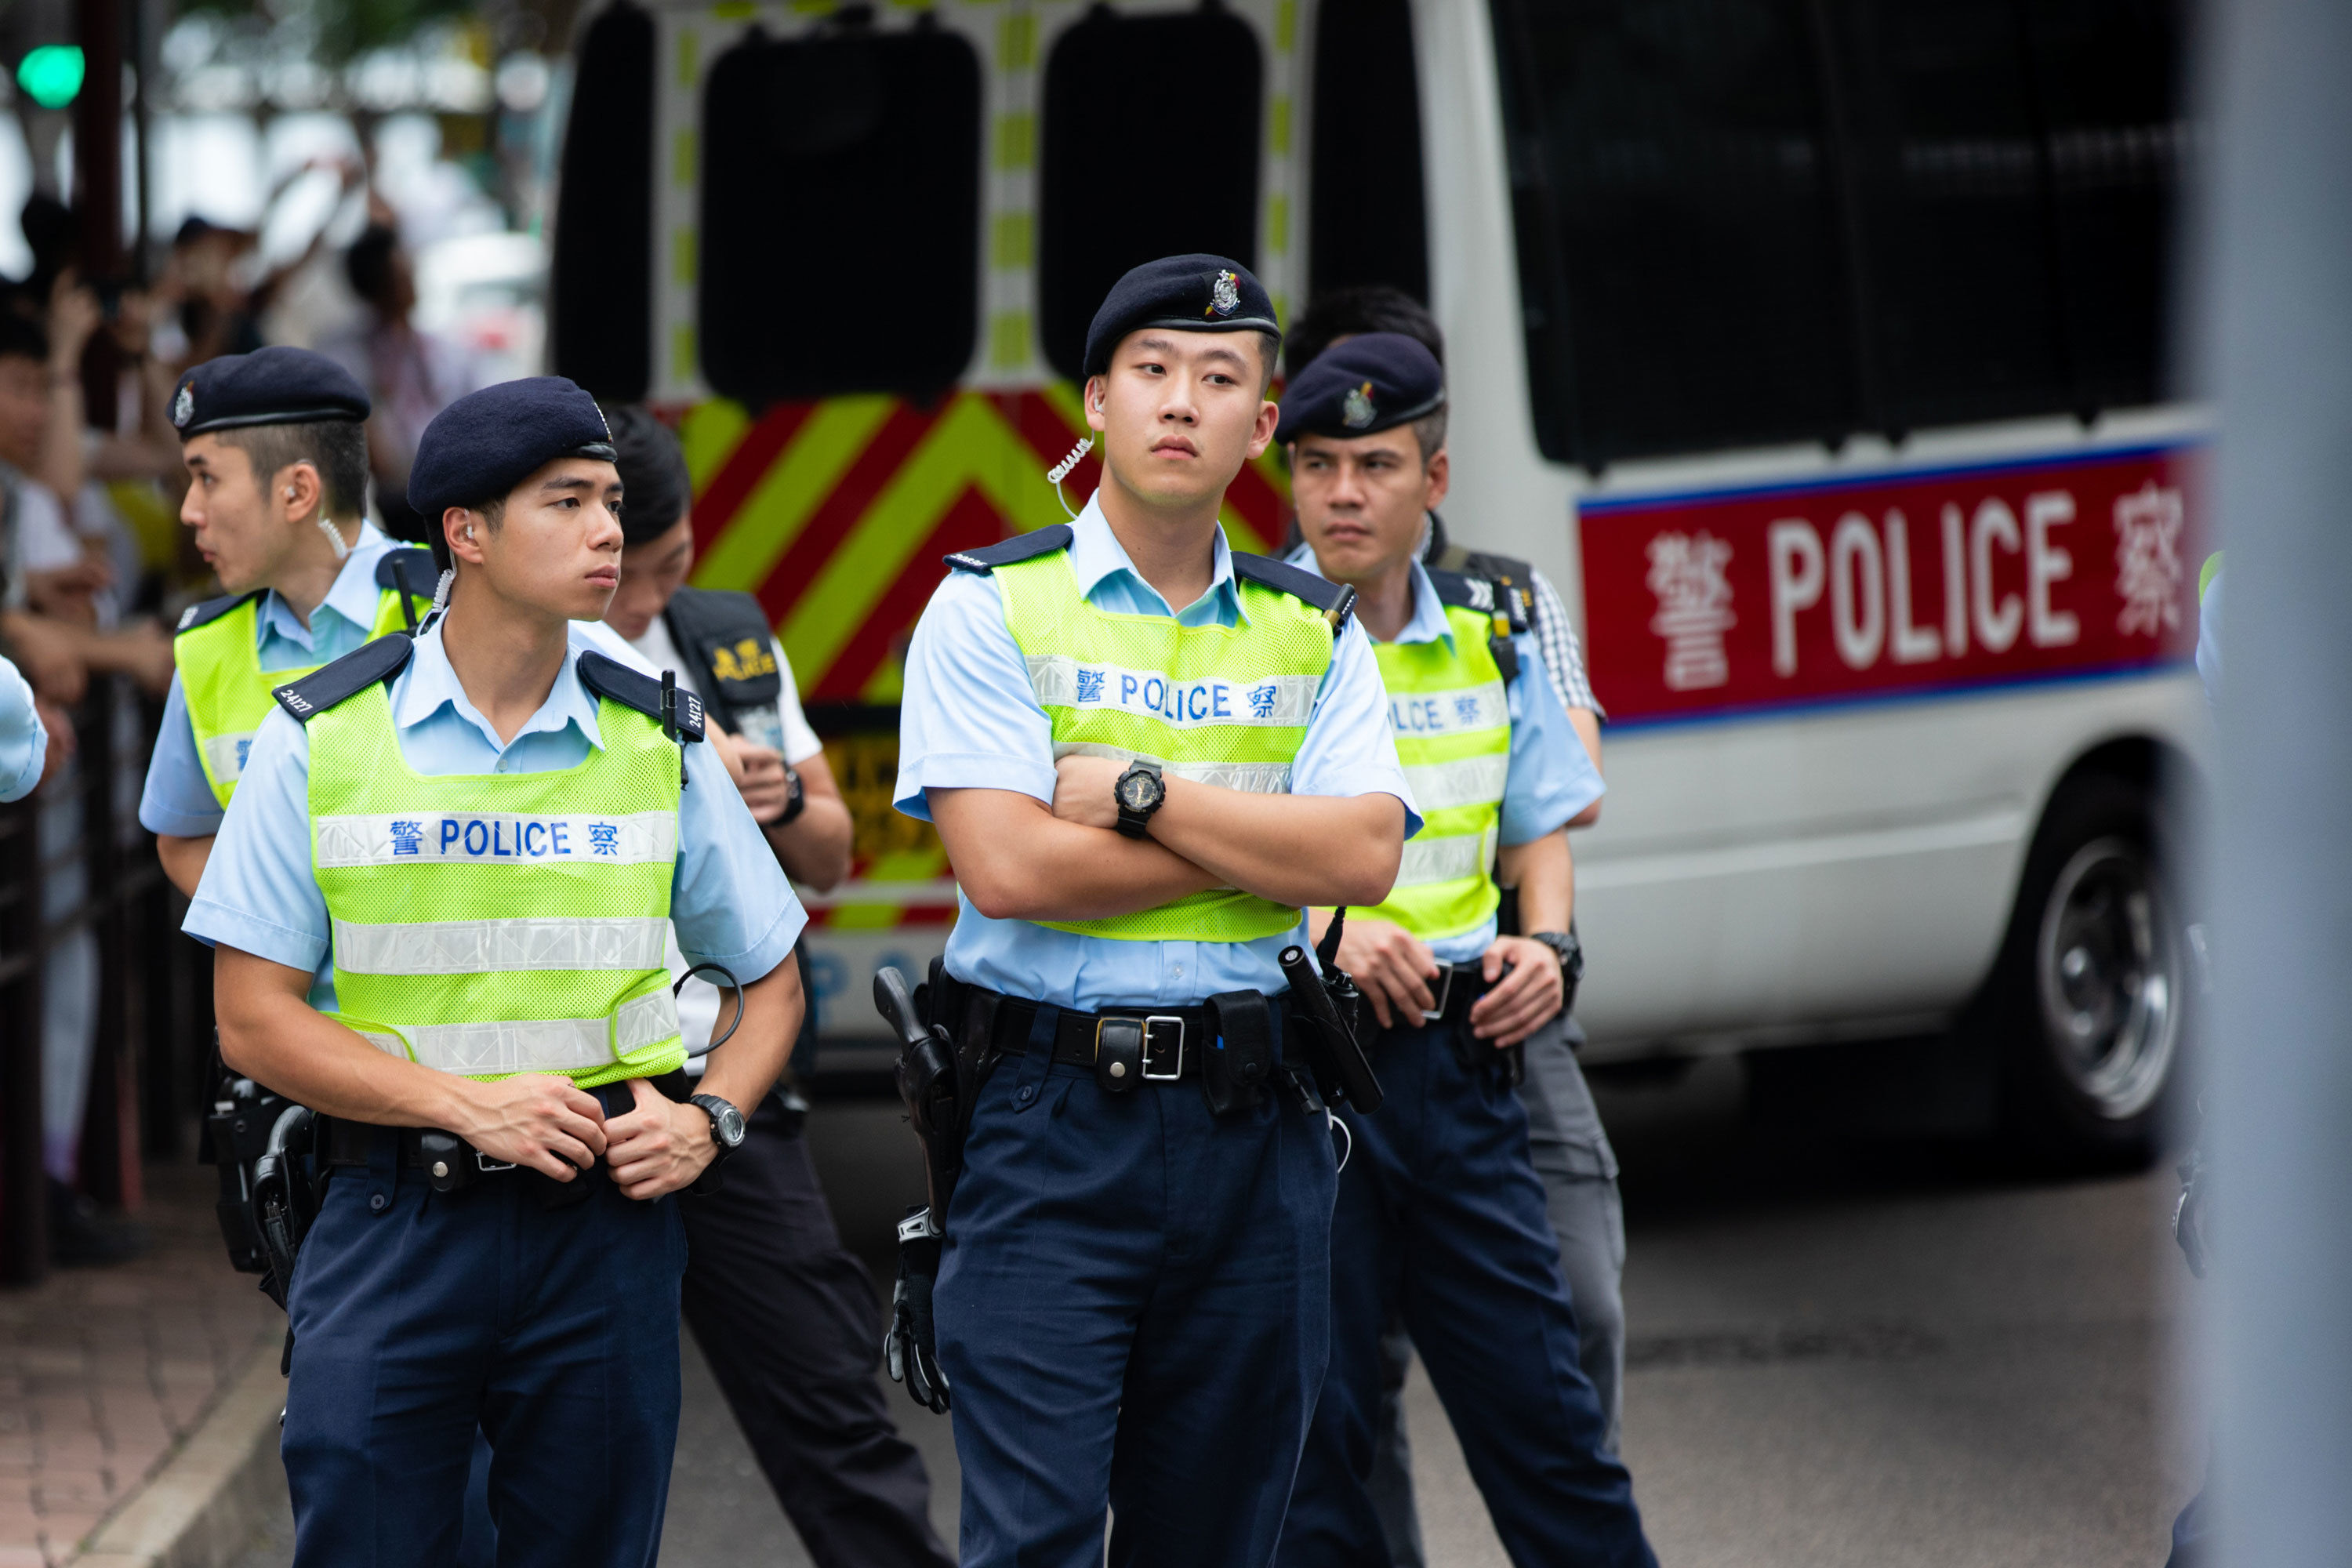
[(926, 1074)]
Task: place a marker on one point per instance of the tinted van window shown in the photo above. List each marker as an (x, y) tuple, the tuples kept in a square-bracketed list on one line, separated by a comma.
[(1676, 201), (1115, 188), (1745, 221), (840, 215), (602, 327), (1366, 222)]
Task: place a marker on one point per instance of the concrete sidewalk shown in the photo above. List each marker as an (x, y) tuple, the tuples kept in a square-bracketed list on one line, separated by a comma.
[(134, 1399)]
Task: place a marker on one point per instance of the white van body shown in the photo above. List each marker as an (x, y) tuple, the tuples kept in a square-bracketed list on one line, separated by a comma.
[(1825, 775)]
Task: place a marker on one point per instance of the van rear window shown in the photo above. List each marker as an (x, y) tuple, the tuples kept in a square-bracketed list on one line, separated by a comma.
[(1743, 222), (601, 308), (1116, 189), (840, 245), (1366, 223)]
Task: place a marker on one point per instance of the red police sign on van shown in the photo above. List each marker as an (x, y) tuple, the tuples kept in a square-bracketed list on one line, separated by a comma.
[(1703, 604)]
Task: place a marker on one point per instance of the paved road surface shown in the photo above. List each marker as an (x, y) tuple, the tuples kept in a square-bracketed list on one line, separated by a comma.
[(1841, 1356)]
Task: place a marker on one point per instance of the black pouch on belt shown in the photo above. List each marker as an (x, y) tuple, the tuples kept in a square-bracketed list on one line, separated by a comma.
[(1239, 1061)]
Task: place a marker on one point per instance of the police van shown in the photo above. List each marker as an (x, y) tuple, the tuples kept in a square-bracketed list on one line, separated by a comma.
[(1816, 349)]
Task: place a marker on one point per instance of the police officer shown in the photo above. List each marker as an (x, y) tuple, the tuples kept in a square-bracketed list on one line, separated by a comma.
[(1572, 1149), (276, 447), (439, 900), (782, 1311), (1441, 1213), (1145, 753)]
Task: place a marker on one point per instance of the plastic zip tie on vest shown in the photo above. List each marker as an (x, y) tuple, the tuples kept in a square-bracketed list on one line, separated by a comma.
[(480, 947)]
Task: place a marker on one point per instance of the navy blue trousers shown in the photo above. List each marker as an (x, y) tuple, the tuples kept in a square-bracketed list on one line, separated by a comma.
[(420, 1317), (1132, 1315), (1441, 1217)]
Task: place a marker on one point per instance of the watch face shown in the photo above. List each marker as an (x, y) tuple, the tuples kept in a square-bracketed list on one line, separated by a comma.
[(1137, 791), (730, 1126)]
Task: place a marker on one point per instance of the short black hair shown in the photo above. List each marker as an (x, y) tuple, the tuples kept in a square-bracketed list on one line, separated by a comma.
[(337, 449), (1351, 312), (656, 490), (22, 338), (368, 263)]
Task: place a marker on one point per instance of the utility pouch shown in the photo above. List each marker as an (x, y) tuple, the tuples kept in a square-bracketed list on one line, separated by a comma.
[(1240, 1060), (1118, 1055)]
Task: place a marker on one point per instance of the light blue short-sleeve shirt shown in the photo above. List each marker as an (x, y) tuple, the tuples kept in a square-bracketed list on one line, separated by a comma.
[(971, 720), (178, 799), (729, 900), (24, 741), (1550, 776)]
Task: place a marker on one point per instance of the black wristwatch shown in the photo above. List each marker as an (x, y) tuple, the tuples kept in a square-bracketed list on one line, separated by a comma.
[(726, 1126), (795, 800), (1569, 952), (1139, 791)]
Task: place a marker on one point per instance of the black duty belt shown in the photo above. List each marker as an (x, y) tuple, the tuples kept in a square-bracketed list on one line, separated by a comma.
[(1456, 989), (1173, 1039), (350, 1143)]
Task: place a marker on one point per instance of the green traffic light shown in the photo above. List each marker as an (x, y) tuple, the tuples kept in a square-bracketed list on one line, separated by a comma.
[(52, 75)]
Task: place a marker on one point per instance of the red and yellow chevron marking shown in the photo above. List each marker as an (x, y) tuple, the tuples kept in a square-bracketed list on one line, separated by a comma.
[(836, 513)]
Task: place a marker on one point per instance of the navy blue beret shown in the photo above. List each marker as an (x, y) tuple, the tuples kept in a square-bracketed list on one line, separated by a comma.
[(1369, 384), (487, 442), (1195, 294), (268, 386)]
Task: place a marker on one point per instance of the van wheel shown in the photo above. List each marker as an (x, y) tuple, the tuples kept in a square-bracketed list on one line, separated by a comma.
[(2094, 980)]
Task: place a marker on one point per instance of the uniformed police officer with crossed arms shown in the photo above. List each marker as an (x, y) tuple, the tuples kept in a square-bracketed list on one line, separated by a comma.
[(1145, 752), (1441, 1213), (276, 447), (439, 898)]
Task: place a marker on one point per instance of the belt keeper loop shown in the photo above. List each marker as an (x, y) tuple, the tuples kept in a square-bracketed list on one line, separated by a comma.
[(1039, 1057), (382, 1168)]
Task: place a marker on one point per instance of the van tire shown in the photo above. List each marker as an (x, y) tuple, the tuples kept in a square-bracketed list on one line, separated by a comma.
[(2091, 998)]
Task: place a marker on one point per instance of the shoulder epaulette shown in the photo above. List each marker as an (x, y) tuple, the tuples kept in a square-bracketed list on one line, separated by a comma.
[(1336, 600), (409, 570), (1462, 591), (1481, 595), (1019, 547), (210, 610), (635, 688), (353, 673)]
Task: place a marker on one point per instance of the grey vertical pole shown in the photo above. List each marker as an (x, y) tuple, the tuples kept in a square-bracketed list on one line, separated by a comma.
[(2278, 338)]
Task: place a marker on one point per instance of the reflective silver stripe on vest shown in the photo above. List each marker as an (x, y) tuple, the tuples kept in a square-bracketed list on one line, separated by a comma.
[(1428, 860), (225, 755), (1281, 701), (495, 838), (1250, 778), (535, 1045), (1466, 781), (480, 947)]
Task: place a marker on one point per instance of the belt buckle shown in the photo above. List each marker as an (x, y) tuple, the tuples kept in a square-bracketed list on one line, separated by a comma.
[(1444, 991), (1150, 1020), (488, 1166)]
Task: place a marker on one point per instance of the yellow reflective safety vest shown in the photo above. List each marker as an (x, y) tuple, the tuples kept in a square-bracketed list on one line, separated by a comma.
[(1450, 711), (220, 677), (1223, 705), (491, 924)]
